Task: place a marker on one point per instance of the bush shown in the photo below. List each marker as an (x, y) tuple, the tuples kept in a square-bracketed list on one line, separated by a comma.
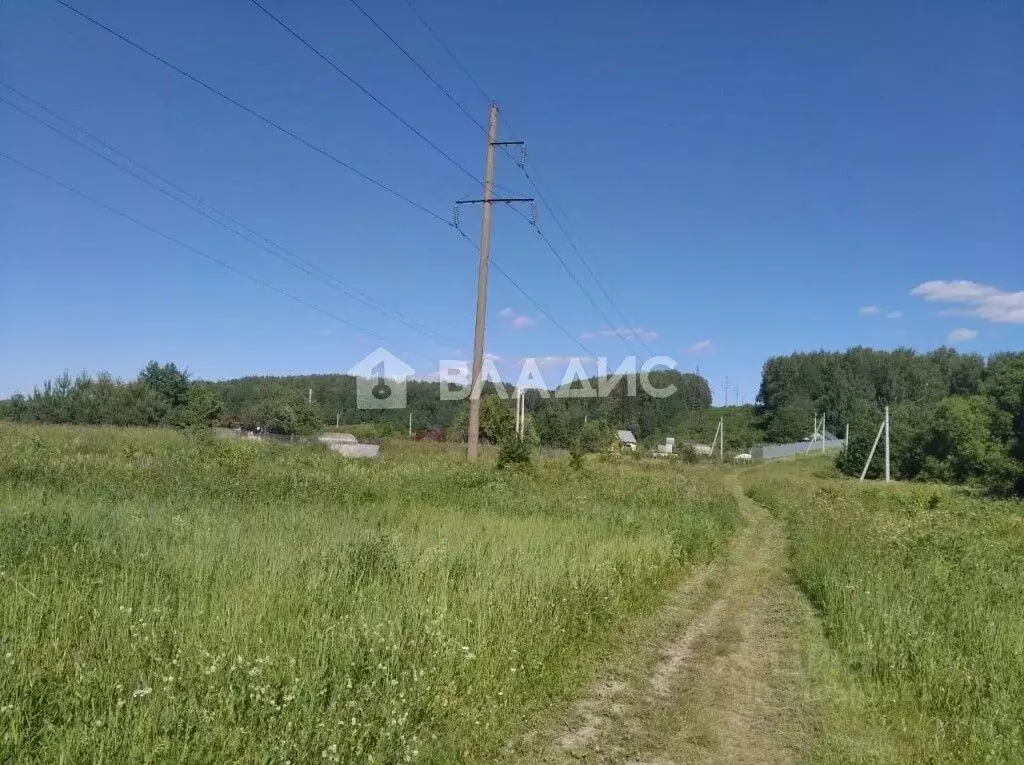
[(687, 454), (513, 450), (577, 455)]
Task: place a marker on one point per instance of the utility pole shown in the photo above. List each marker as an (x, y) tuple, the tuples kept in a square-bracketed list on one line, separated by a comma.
[(884, 428), (847, 446), (410, 424), (473, 436), (887, 444), (726, 387), (337, 420), (520, 413), (311, 395)]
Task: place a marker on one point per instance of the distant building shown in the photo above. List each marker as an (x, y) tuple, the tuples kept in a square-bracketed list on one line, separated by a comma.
[(626, 439), (339, 438), (346, 445)]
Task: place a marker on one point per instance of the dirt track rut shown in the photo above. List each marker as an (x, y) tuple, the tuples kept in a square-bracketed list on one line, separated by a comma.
[(726, 682)]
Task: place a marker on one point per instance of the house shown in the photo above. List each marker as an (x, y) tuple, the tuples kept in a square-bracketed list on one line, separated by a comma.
[(626, 439)]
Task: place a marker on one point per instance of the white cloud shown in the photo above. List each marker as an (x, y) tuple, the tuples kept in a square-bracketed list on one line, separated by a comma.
[(894, 315), (522, 322), (516, 320), (985, 302), (702, 346), (870, 310), (962, 335), (492, 357), (588, 336)]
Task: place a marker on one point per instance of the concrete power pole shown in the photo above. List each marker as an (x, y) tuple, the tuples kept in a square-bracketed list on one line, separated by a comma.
[(887, 444), (473, 436)]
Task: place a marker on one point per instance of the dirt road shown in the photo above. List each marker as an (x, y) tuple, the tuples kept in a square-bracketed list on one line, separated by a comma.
[(724, 683)]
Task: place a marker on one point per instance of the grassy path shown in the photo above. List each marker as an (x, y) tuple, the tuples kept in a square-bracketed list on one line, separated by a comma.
[(724, 680)]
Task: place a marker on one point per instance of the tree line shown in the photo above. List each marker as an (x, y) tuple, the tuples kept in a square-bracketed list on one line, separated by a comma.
[(161, 394), (166, 395), (956, 418)]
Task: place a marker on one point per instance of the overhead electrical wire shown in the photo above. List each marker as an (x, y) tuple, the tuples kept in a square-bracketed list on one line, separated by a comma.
[(365, 91), (241, 230), (254, 113), (314, 147), (423, 71), (622, 332), (174, 240)]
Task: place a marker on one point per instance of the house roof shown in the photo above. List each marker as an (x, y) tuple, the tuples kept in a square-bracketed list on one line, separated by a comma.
[(626, 437)]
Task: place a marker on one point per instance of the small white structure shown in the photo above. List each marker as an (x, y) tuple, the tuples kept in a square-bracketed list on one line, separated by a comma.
[(339, 438), (743, 457), (356, 450), (666, 449), (626, 439), (346, 445)]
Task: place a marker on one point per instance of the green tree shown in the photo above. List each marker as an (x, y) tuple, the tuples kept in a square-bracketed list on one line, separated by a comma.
[(203, 409), (958, 445), (596, 436), (170, 384)]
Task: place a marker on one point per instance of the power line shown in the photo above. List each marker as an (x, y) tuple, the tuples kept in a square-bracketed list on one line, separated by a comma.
[(190, 248), (253, 237), (331, 63), (618, 332), (318, 149), (252, 112), (632, 329), (508, 278), (417, 64), (448, 50), (543, 200)]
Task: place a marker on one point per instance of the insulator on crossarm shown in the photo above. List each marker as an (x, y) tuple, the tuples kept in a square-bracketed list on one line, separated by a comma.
[(533, 214), (455, 216)]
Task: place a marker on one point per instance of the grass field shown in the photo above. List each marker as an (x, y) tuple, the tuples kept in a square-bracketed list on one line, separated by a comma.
[(920, 590), (167, 599)]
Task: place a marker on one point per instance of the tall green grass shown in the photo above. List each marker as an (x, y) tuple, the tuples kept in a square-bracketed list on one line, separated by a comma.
[(921, 593), (167, 599)]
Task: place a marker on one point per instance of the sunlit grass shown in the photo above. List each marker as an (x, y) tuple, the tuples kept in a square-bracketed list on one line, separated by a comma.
[(921, 593), (173, 599)]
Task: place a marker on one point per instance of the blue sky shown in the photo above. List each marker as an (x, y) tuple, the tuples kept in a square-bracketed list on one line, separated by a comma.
[(746, 179)]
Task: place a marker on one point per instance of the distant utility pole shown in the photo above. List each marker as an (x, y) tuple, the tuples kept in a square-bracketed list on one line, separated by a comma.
[(473, 436), (311, 395), (814, 435), (337, 420), (410, 424), (884, 427), (521, 413), (726, 387), (736, 398), (719, 439)]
